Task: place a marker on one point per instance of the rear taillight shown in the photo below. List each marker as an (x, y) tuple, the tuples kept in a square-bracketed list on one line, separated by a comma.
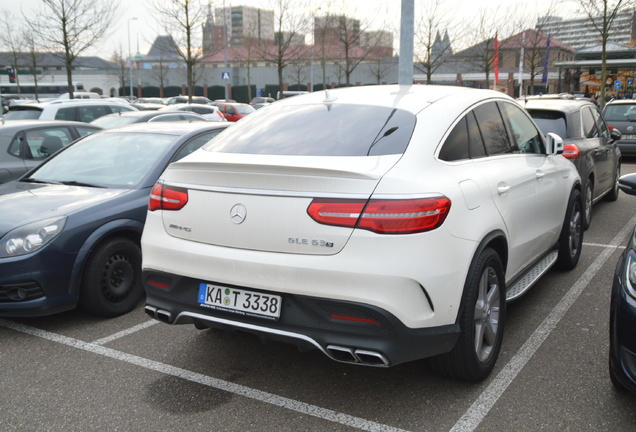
[(167, 198), (382, 216), (571, 151)]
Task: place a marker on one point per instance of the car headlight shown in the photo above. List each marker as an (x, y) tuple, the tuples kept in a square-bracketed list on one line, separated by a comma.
[(29, 238)]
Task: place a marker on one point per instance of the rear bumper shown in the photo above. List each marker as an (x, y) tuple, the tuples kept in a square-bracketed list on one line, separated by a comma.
[(378, 339)]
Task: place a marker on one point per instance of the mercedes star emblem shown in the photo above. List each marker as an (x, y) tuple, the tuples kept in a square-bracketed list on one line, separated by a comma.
[(238, 214)]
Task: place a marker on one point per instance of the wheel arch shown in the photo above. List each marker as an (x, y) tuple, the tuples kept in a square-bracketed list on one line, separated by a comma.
[(495, 240), (128, 228)]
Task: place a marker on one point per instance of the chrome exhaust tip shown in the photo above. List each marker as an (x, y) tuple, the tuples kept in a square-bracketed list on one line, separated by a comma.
[(357, 356)]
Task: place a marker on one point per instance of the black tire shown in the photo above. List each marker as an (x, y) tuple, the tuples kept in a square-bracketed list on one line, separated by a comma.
[(111, 284), (613, 194), (571, 237), (481, 321), (587, 202)]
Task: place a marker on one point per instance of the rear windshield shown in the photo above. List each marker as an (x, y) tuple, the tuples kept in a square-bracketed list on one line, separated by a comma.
[(23, 114), (550, 121), (619, 112), (319, 130)]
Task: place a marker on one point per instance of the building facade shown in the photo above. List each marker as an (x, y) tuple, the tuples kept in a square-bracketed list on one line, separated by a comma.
[(581, 32)]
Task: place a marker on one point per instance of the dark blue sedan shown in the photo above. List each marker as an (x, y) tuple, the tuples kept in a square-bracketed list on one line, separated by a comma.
[(622, 357), (70, 229)]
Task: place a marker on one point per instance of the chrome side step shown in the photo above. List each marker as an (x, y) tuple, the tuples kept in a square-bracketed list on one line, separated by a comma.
[(524, 283)]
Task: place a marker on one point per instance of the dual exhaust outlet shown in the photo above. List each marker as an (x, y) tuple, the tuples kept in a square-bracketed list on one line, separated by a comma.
[(338, 353), (158, 314)]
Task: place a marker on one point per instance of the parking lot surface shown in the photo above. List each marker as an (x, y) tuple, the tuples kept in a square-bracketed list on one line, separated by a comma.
[(74, 372)]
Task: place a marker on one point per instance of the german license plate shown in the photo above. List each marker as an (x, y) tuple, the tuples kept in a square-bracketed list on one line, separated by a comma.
[(240, 301), (628, 136)]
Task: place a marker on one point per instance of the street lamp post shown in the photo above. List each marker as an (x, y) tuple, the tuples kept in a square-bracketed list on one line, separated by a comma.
[(130, 59)]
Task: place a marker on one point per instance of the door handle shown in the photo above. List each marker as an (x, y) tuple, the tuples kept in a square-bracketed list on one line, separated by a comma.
[(540, 175), (503, 189)]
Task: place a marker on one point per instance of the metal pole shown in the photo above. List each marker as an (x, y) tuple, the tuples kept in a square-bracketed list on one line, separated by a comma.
[(225, 47), (407, 26), (130, 61)]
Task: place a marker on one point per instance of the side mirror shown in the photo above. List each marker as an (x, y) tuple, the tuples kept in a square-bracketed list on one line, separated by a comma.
[(615, 134), (627, 184), (554, 144)]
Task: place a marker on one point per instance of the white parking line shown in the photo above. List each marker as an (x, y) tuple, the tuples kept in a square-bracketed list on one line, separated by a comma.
[(604, 245), (280, 401), (484, 403), (126, 332)]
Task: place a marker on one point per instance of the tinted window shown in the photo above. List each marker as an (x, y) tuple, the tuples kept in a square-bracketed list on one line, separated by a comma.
[(590, 128), (492, 129), (525, 136), (456, 145), (319, 130), (65, 114), (550, 121), (195, 144), (476, 144), (23, 114), (600, 123), (87, 114)]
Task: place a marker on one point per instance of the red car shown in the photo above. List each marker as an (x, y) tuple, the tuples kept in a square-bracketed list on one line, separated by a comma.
[(235, 111)]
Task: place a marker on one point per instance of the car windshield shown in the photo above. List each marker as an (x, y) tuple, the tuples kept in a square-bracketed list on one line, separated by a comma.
[(550, 121), (617, 112), (23, 114), (117, 160), (336, 130)]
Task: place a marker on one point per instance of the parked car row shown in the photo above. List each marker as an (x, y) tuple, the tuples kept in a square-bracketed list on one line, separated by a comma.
[(334, 221)]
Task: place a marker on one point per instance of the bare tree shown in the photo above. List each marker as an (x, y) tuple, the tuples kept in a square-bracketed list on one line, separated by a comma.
[(121, 71), (34, 58), (379, 70), (289, 29), (602, 14), (12, 38), (297, 72), (491, 28), (432, 40), (72, 26), (184, 20)]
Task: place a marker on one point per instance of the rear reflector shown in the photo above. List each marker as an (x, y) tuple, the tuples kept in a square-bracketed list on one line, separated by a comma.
[(382, 216), (167, 198), (354, 319)]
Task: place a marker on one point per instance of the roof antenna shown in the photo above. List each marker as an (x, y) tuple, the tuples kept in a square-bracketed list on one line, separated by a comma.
[(329, 97)]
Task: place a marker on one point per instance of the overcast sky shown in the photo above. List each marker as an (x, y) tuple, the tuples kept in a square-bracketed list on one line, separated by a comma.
[(381, 14)]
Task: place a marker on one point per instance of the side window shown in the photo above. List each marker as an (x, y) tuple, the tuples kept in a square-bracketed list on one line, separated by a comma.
[(65, 114), (165, 118), (195, 144), (492, 129), (456, 145), (117, 108), (44, 142), (526, 138), (590, 128), (230, 110), (476, 144), (84, 131), (600, 123), (87, 114)]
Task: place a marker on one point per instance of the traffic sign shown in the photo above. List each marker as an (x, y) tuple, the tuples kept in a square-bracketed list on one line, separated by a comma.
[(617, 85), (225, 75)]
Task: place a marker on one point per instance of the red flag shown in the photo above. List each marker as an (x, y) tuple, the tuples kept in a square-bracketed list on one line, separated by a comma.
[(496, 60)]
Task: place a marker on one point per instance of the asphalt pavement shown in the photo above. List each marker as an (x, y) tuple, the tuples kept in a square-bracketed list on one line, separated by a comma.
[(74, 372)]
